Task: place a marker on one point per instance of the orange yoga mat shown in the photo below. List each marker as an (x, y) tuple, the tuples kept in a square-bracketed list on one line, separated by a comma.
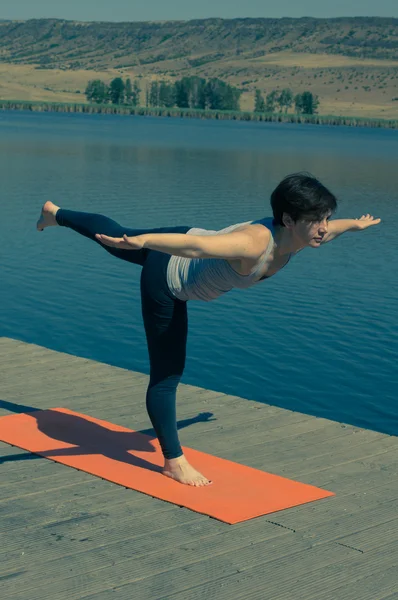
[(134, 460)]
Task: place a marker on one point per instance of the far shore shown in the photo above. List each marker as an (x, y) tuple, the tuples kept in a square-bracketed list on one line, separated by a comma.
[(275, 117)]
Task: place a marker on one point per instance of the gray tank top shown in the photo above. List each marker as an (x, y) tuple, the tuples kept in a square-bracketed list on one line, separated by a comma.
[(207, 278)]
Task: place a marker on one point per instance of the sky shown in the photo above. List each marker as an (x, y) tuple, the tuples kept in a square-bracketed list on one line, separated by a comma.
[(169, 10)]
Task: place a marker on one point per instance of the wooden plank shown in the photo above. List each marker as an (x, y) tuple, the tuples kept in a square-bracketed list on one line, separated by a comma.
[(132, 533), (90, 494), (204, 547), (67, 535), (130, 529), (355, 521), (76, 380), (135, 519), (24, 469), (56, 512), (373, 537), (275, 427), (363, 473), (291, 431), (222, 577), (94, 494), (307, 517), (286, 577), (285, 462), (155, 574), (373, 586), (350, 572)]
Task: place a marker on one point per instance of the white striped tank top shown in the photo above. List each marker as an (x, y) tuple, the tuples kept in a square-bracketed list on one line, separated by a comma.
[(207, 278)]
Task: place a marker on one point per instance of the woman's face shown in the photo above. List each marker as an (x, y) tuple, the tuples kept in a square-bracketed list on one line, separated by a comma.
[(308, 233), (312, 232)]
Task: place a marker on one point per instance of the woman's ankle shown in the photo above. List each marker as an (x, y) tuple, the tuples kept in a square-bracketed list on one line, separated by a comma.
[(178, 460)]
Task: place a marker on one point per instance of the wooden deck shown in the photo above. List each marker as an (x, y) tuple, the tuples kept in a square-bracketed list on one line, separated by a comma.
[(66, 535)]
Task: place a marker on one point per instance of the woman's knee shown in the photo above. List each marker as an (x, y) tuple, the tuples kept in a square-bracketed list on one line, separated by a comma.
[(164, 381)]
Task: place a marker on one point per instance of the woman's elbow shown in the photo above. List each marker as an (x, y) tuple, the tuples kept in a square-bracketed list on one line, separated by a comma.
[(196, 249)]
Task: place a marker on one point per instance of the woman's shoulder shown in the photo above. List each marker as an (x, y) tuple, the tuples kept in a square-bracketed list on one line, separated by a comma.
[(262, 227), (267, 222), (255, 229)]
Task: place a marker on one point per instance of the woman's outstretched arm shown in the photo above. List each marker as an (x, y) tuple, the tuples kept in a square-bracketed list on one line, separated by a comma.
[(248, 243), (339, 226)]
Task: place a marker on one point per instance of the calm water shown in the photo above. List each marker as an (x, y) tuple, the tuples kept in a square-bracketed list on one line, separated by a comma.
[(320, 337)]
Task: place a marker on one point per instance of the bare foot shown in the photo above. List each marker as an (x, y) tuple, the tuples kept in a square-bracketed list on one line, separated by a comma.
[(180, 470), (47, 217)]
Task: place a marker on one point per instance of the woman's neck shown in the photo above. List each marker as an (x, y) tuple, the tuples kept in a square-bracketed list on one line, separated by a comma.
[(284, 241)]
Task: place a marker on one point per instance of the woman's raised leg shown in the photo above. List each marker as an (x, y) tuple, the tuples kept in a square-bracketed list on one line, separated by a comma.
[(88, 224)]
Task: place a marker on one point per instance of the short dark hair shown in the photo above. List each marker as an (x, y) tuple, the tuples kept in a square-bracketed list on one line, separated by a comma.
[(302, 196)]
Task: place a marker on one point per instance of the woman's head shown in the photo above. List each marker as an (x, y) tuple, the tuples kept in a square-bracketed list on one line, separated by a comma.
[(301, 197)]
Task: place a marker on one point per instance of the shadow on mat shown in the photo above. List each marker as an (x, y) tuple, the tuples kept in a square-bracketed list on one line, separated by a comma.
[(90, 438)]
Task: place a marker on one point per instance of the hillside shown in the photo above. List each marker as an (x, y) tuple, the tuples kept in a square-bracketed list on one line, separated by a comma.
[(67, 44), (351, 63)]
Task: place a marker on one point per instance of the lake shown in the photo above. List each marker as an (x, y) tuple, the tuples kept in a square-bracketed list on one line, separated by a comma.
[(321, 337)]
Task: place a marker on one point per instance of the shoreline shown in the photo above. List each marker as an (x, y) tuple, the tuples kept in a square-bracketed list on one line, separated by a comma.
[(37, 106)]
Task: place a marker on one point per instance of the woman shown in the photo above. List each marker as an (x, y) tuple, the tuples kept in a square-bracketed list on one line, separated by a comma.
[(183, 263)]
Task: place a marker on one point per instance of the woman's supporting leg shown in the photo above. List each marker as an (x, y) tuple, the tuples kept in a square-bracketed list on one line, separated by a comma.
[(166, 328), (166, 332)]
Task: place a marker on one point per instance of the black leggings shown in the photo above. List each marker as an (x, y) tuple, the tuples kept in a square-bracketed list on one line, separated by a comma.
[(165, 320)]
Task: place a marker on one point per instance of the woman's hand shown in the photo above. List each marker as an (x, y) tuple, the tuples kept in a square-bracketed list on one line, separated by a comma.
[(366, 221), (125, 243)]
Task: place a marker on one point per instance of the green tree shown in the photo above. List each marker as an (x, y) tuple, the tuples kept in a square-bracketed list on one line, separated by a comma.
[(97, 91), (190, 92), (128, 91), (154, 94), (271, 101), (166, 94), (298, 103), (116, 90), (259, 104), (310, 103), (306, 103), (197, 97), (182, 92), (135, 98), (221, 96), (285, 99)]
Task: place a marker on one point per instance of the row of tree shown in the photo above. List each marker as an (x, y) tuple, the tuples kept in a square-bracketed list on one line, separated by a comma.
[(188, 92), (117, 92), (306, 103), (196, 92)]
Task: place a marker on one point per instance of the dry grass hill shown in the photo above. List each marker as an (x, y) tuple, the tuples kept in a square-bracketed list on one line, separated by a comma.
[(351, 63)]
